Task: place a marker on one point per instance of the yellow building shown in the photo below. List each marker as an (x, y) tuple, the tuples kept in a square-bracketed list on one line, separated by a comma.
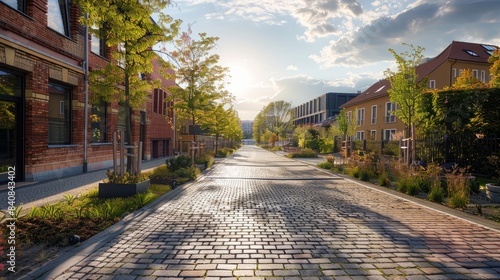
[(372, 108)]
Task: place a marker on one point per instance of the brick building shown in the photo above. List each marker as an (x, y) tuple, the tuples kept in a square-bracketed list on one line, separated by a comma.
[(42, 96)]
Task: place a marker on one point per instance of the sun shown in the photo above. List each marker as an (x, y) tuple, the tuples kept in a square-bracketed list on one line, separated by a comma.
[(240, 78)]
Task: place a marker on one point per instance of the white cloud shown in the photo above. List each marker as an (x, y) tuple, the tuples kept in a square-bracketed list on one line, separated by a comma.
[(292, 68), (425, 23)]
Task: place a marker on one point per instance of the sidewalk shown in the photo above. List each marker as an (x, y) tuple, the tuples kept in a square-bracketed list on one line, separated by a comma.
[(40, 193)]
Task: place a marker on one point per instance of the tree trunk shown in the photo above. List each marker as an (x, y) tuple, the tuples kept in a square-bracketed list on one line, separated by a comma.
[(128, 121)]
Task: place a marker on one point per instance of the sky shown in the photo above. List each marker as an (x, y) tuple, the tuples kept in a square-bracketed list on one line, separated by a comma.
[(297, 50)]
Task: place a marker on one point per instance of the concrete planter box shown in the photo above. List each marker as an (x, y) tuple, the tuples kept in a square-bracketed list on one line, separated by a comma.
[(493, 193), (110, 190)]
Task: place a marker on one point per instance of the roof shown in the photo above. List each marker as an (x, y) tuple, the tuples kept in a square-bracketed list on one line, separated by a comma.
[(463, 51)]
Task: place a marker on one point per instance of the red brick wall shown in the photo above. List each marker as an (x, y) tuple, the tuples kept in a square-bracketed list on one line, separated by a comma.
[(66, 53)]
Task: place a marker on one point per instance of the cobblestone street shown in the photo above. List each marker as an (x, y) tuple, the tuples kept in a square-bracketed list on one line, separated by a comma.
[(258, 215)]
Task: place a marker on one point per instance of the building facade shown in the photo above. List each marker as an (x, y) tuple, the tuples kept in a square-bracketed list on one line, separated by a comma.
[(322, 108), (43, 96), (371, 110)]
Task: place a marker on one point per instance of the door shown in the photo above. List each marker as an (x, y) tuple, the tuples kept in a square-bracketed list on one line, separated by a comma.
[(11, 127)]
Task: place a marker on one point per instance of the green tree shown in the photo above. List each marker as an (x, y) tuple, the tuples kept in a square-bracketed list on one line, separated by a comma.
[(275, 117), (221, 121), (466, 80), (407, 88), (346, 125), (495, 68), (258, 127), (129, 31), (200, 78)]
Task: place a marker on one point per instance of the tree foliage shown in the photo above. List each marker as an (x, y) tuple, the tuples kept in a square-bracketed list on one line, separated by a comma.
[(199, 76), (276, 117), (495, 68), (130, 33), (466, 80), (223, 122), (460, 111), (406, 87)]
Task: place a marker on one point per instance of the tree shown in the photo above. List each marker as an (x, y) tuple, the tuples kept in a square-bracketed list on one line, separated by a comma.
[(406, 88), (258, 127), (130, 32), (495, 68), (222, 121), (200, 79), (466, 80), (275, 117), (346, 125)]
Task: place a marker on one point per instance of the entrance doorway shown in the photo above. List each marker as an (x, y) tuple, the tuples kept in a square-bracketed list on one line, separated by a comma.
[(11, 126)]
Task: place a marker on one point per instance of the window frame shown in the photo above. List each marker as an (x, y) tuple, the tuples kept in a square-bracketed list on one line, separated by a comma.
[(360, 135), (374, 114), (102, 123), (391, 131), (67, 123), (360, 116), (20, 5), (390, 117), (64, 8)]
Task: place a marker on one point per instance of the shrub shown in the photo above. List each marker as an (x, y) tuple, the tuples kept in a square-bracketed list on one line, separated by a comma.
[(206, 159), (304, 153), (354, 171), (178, 163), (330, 159), (436, 194), (125, 179), (383, 179), (224, 152), (190, 173), (409, 185), (325, 165), (458, 191), (364, 175)]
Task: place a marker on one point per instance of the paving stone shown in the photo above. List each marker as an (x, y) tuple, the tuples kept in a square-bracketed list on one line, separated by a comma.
[(258, 215)]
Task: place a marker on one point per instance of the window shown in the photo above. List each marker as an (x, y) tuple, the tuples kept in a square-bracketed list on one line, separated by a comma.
[(19, 5), (360, 116), (471, 53), (483, 76), (121, 49), (360, 135), (98, 123), (454, 72), (58, 16), (475, 73), (460, 72), (98, 46), (373, 134), (59, 114), (432, 84), (489, 49), (160, 105), (374, 114), (390, 108), (389, 134)]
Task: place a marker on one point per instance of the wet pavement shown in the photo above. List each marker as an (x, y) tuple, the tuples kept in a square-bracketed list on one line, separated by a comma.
[(258, 215)]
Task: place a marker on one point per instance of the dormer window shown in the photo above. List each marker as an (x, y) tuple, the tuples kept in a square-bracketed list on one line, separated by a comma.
[(489, 49), (471, 52)]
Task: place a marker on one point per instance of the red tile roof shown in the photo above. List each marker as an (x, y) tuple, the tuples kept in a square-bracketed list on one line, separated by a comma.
[(462, 51)]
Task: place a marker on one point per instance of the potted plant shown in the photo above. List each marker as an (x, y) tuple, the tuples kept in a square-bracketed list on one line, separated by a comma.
[(123, 186), (493, 189)]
